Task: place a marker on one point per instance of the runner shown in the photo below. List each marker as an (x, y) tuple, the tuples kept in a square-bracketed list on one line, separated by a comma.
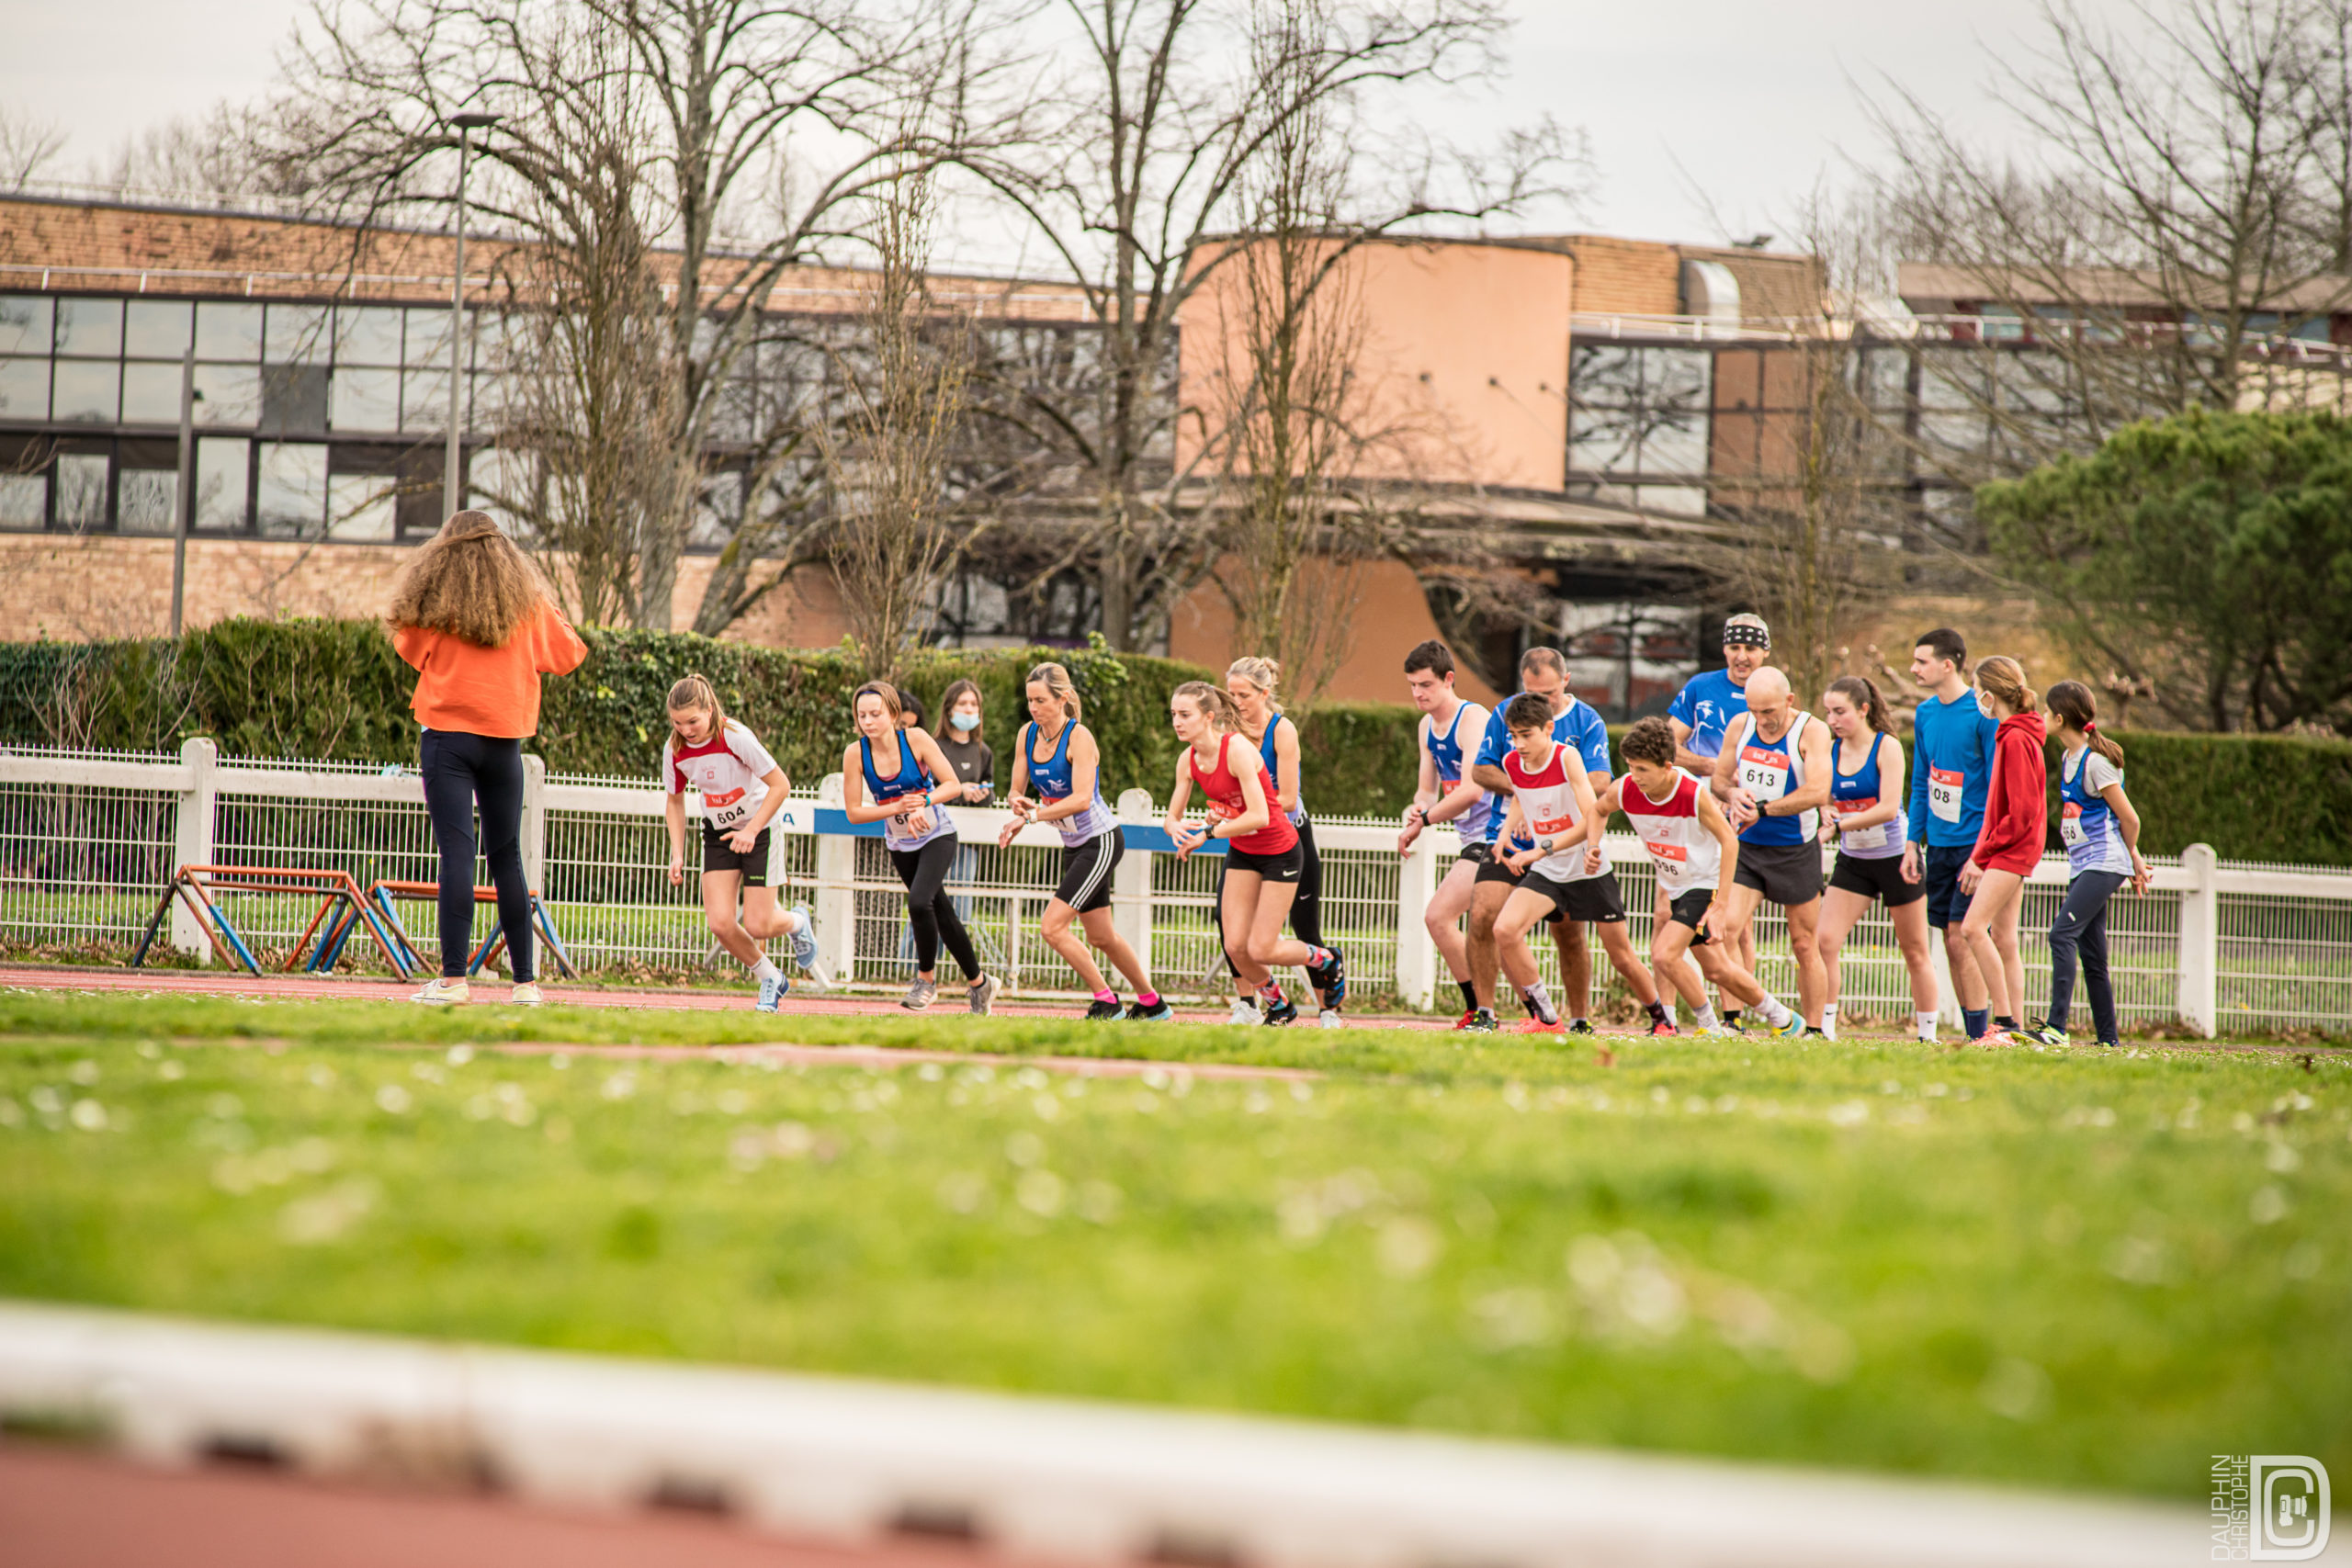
[(741, 788), (1543, 672), (1866, 817), (1773, 776), (1443, 795), (1562, 868), (1068, 780), (2016, 824), (2102, 834), (1951, 760), (1251, 684), (1689, 842), (1705, 706), (894, 775), (1263, 861)]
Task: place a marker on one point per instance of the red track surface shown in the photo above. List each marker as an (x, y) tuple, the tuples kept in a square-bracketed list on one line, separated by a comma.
[(62, 1508)]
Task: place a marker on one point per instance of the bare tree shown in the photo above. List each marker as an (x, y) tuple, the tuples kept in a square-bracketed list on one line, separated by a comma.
[(717, 90), (1135, 181), (28, 145), (217, 157), (894, 537)]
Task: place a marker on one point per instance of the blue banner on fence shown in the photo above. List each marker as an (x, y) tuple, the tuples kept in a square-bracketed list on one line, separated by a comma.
[(1149, 836)]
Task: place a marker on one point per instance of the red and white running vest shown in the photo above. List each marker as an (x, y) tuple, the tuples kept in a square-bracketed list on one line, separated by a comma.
[(1686, 854), (1548, 800)]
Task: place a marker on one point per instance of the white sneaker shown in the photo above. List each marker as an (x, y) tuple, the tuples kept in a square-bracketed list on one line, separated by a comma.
[(1244, 1011), (1330, 1019), (442, 992), (526, 994)]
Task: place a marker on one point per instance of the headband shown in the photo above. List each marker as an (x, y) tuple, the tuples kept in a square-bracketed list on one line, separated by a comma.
[(1746, 635)]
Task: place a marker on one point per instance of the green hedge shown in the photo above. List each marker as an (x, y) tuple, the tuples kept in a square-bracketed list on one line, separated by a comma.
[(335, 689)]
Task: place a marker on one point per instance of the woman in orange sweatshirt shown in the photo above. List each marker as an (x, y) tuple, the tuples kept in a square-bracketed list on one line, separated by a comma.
[(2016, 830), (475, 618)]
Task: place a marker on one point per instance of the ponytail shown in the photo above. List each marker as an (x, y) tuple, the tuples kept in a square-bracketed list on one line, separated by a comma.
[(1056, 679), (1260, 673), (2072, 702), (1215, 704), (694, 690), (2004, 678), (1862, 692)]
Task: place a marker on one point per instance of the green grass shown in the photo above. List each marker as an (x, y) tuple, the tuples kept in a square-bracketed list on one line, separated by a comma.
[(2074, 1269)]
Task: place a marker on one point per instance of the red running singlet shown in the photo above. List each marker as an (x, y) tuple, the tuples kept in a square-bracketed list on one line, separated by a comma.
[(1225, 802)]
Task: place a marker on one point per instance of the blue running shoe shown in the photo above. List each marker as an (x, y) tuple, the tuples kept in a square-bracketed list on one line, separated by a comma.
[(771, 992), (804, 940)]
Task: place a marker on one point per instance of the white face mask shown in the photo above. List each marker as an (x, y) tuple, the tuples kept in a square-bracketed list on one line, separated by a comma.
[(1983, 707), (966, 722)]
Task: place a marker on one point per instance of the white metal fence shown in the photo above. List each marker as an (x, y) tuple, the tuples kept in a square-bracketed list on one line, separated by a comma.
[(87, 839)]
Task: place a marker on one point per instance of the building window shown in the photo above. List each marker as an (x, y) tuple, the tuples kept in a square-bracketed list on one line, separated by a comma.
[(82, 490), (223, 482), (1638, 424), (290, 491)]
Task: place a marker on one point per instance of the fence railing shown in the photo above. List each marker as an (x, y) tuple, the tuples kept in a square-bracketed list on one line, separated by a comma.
[(88, 840)]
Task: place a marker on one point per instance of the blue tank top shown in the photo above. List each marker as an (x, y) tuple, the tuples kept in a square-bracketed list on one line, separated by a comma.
[(2093, 839), (1050, 781), (1446, 751), (1274, 771), (910, 779), (1770, 770), (1853, 795)]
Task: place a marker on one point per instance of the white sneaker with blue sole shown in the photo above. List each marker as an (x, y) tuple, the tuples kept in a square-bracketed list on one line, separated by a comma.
[(804, 939), (771, 992)]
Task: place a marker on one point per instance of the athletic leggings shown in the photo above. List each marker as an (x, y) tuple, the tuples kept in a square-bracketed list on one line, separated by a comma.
[(460, 769), (931, 914), (1307, 909), (2081, 927)]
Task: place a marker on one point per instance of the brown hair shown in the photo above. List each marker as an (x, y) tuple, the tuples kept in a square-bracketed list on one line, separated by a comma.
[(2072, 702), (468, 580), (892, 703), (1055, 679), (1432, 655), (1213, 704), (1260, 673), (956, 690), (1650, 740), (695, 691), (1862, 692), (1999, 675), (1528, 711), (1536, 659), (1945, 643)]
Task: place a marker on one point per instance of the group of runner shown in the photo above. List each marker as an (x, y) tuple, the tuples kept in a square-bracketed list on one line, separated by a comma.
[(1732, 794)]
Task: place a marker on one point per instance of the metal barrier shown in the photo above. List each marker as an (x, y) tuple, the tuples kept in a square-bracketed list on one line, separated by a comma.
[(88, 839)]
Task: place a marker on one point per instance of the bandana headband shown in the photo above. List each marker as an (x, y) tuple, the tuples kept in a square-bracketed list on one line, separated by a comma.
[(1747, 637)]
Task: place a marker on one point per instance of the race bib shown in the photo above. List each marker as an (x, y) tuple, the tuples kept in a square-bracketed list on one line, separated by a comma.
[(1762, 773), (1674, 852), (1943, 793), (2070, 827), (1220, 812), (1871, 838), (725, 808), (1550, 825)]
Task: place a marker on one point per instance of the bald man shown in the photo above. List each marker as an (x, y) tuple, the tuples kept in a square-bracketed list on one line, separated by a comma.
[(1773, 778)]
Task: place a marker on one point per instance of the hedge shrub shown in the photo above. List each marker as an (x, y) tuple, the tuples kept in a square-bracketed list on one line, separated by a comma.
[(335, 689)]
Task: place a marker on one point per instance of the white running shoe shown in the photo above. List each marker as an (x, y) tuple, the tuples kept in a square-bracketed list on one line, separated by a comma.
[(1330, 1019), (442, 992), (804, 940), (981, 996), (526, 994), (771, 992), (1244, 1011)]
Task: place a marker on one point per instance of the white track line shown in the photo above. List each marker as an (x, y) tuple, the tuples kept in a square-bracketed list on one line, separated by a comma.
[(1035, 1477)]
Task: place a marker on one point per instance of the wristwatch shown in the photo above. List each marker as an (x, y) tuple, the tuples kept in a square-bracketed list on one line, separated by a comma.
[(1544, 844)]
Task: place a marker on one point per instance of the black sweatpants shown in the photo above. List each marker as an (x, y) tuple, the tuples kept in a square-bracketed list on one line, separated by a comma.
[(461, 769), (2080, 929), (931, 914), (1307, 908)]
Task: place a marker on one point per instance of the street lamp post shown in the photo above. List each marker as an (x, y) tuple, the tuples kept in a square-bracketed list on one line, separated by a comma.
[(183, 492), (451, 488)]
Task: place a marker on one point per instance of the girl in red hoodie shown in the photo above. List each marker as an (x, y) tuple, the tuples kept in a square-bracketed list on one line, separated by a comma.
[(2017, 826)]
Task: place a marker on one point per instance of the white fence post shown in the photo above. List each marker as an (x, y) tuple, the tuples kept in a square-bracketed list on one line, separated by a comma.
[(836, 888), (1131, 884), (2200, 941), (192, 827), (1947, 994), (1416, 953), (534, 824)]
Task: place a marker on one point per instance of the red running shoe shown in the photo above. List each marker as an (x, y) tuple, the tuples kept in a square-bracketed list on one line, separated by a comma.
[(1660, 1030), (1537, 1026)]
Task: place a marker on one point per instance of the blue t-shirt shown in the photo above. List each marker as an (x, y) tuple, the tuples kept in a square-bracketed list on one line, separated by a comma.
[(1708, 702), (1578, 725), (1951, 769)]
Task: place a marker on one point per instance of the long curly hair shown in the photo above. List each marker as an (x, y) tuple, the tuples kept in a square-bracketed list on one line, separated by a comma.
[(468, 580)]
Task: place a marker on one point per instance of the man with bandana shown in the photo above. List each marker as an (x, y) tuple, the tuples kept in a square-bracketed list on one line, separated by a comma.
[(1708, 704)]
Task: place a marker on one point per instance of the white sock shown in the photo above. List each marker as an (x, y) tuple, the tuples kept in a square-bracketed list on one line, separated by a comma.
[(1829, 1020), (1539, 1002), (765, 970), (1671, 1017), (1927, 1022), (792, 922), (1774, 1013), (1705, 1017)]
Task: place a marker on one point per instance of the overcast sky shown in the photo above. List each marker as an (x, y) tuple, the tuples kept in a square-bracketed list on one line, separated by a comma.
[(1754, 101)]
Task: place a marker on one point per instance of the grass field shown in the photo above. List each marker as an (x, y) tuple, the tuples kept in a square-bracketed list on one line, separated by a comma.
[(2071, 1268)]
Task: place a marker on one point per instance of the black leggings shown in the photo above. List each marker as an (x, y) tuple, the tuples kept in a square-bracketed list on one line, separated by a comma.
[(1307, 909), (930, 912), (2081, 929), (458, 770)]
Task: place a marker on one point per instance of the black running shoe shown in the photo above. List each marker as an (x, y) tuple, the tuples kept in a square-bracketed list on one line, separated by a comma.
[(1479, 1022), (1283, 1011), (1582, 1026), (1331, 979), (1101, 1010), (1158, 1013)]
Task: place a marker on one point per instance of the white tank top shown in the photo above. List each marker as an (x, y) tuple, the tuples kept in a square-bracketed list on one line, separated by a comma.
[(1548, 800), (1686, 854)]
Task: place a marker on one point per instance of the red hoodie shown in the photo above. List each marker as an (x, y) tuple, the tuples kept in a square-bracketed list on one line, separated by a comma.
[(2017, 804)]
